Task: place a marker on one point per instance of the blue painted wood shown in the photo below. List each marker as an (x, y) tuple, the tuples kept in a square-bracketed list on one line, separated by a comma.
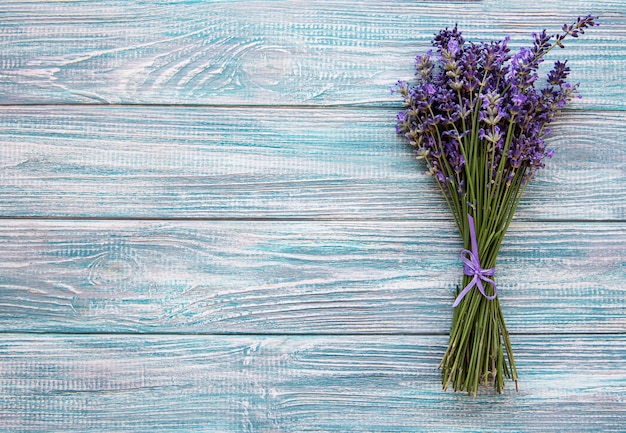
[(288, 384), (272, 52), (148, 252), (281, 277), (160, 162)]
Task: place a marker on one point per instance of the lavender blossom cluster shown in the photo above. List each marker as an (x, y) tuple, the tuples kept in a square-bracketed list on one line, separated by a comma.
[(479, 96)]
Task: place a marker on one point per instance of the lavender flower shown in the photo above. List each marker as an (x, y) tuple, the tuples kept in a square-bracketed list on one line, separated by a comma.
[(482, 87), (478, 116)]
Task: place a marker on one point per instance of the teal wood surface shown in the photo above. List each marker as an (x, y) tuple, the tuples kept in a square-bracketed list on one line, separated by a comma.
[(272, 52), (207, 223), (147, 162), (365, 277), (294, 383)]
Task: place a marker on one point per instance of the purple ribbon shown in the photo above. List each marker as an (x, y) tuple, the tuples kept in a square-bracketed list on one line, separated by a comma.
[(471, 268)]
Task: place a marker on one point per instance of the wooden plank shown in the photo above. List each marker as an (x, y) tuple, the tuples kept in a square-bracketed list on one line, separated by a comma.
[(287, 384), (298, 277), (139, 162), (269, 52)]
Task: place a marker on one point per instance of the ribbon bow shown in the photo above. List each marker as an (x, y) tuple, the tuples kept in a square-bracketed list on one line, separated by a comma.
[(472, 268)]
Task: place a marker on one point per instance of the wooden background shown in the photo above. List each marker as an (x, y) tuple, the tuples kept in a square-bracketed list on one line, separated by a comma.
[(209, 224)]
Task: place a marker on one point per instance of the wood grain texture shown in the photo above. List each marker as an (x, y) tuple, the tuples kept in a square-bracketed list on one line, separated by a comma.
[(272, 52), (207, 223), (298, 384), (140, 162), (299, 277)]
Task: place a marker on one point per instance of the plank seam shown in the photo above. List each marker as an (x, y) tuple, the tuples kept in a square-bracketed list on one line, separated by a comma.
[(342, 106), (284, 219), (304, 334)]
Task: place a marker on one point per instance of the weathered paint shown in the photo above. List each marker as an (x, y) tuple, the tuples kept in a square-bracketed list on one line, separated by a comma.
[(309, 277), (210, 383), (206, 162), (243, 244), (272, 52)]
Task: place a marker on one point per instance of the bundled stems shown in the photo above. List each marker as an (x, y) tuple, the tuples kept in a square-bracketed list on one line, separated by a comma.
[(478, 119), (475, 353)]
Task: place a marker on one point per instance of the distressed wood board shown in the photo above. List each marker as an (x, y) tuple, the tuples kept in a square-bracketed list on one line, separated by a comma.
[(299, 277), (273, 52), (288, 384), (147, 162)]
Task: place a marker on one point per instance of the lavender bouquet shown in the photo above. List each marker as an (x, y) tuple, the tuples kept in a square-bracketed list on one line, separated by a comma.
[(478, 118)]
